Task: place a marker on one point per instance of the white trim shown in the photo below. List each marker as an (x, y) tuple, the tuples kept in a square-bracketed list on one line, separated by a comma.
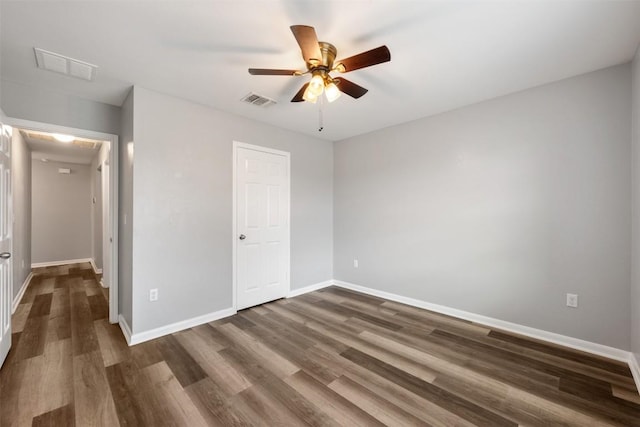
[(126, 330), (634, 365), (575, 343), (96, 270), (140, 337), (62, 262), (23, 288), (295, 292), (112, 139), (234, 225)]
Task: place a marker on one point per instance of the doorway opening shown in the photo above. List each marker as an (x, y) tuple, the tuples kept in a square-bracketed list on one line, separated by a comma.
[(73, 192)]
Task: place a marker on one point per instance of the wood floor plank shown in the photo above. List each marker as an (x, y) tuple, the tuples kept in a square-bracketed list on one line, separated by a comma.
[(20, 392), (209, 398), (19, 318), (625, 393), (113, 346), (41, 305), (228, 380), (383, 410), (270, 359), (263, 409), (608, 365), (178, 403), (62, 416), (340, 409), (99, 306), (94, 405), (184, 367), (56, 374), (83, 334), (453, 403), (136, 401), (32, 338)]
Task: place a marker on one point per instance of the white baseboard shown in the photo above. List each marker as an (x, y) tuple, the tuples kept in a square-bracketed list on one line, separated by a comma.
[(575, 343), (96, 270), (140, 337), (310, 288), (63, 262), (126, 330), (634, 365), (23, 288)]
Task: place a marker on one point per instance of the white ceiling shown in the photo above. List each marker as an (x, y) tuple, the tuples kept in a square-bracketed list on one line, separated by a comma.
[(444, 54)]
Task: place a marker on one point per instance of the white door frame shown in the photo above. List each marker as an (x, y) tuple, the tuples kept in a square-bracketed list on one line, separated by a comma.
[(234, 230), (113, 187)]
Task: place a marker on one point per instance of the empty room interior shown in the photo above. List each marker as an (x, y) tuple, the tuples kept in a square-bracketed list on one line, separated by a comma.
[(339, 213)]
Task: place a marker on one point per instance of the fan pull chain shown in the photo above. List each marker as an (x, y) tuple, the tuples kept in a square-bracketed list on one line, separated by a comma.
[(320, 117)]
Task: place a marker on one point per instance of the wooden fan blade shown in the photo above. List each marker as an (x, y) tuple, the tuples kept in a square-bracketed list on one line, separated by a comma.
[(365, 59), (308, 41), (271, 72), (298, 97), (350, 88)]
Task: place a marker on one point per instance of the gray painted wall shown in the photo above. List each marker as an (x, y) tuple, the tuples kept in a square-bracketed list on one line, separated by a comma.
[(96, 212), (50, 106), (182, 198), (61, 212), (21, 179), (125, 212), (635, 281), (499, 208)]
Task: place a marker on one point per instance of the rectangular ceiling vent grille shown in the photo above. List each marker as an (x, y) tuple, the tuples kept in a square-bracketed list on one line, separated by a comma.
[(64, 65), (258, 100)]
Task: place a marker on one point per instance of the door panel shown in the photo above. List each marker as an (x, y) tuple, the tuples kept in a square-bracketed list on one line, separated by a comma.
[(262, 226), (6, 293)]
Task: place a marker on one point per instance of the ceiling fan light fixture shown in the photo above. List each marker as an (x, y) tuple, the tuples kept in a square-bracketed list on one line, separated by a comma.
[(331, 91), (309, 96), (316, 85)]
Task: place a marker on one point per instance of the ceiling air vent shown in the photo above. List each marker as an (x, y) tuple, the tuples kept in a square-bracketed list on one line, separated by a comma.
[(258, 100), (63, 64)]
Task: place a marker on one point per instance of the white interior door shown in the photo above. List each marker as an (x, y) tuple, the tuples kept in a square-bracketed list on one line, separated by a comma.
[(5, 242), (106, 223), (261, 225)]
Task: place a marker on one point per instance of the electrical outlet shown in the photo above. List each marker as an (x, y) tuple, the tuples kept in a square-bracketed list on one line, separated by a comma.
[(153, 295), (572, 300), (355, 263)]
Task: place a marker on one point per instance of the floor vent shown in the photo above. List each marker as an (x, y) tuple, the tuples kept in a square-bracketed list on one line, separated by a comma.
[(258, 100)]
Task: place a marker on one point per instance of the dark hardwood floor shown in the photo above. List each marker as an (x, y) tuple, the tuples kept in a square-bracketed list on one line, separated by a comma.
[(331, 357)]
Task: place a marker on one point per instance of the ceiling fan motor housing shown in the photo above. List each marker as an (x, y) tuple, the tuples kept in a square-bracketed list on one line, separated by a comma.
[(328, 52)]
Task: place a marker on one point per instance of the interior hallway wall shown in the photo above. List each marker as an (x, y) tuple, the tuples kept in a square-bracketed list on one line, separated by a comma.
[(61, 212)]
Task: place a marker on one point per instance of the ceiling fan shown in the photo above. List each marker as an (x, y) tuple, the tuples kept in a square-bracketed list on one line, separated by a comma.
[(320, 61)]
